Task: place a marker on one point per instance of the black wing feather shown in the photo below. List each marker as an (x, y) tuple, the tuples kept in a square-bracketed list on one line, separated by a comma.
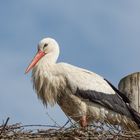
[(122, 95), (110, 101)]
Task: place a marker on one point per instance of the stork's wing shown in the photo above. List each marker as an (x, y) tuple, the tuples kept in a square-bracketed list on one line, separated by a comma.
[(90, 86), (84, 79)]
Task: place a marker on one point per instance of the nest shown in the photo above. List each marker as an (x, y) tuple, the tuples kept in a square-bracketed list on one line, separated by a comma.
[(97, 131)]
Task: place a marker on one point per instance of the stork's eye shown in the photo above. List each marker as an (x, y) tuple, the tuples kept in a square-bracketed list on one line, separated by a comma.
[(45, 45)]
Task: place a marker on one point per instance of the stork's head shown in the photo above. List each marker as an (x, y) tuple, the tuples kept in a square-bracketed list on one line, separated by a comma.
[(46, 47)]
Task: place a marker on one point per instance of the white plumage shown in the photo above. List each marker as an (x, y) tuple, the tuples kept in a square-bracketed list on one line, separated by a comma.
[(81, 94)]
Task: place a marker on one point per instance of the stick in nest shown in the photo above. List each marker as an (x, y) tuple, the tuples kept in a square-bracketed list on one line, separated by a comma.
[(3, 128)]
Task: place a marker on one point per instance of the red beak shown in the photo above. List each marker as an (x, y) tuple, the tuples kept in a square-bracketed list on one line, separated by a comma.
[(37, 57)]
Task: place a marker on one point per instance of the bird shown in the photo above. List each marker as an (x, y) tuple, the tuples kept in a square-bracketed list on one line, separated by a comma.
[(83, 95)]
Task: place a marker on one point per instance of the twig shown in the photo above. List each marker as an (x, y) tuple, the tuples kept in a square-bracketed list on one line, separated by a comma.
[(64, 125), (3, 128), (39, 125), (72, 124), (53, 120)]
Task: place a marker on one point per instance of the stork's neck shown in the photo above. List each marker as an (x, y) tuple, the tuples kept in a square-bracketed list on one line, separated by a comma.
[(42, 76)]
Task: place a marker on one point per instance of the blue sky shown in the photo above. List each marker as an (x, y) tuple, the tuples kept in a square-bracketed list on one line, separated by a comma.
[(102, 36)]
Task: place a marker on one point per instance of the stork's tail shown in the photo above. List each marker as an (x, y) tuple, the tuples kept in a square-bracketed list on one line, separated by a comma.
[(135, 115)]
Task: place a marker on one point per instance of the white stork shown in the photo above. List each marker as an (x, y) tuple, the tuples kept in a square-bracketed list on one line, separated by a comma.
[(83, 95)]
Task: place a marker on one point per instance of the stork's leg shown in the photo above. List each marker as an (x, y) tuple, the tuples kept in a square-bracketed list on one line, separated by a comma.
[(83, 121)]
